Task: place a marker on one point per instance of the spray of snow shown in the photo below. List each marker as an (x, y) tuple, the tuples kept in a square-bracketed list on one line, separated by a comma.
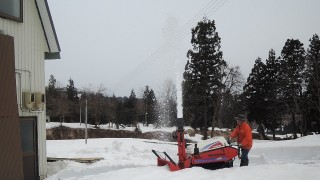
[(171, 34), (179, 96)]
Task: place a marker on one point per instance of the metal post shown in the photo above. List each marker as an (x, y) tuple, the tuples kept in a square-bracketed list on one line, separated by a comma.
[(146, 115), (80, 114), (86, 132), (79, 96)]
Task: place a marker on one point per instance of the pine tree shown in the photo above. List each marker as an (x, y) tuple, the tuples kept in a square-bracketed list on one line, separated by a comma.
[(291, 77), (190, 97), (72, 96), (52, 92), (206, 68), (51, 95), (150, 106), (274, 107), (255, 94), (72, 92), (121, 115), (132, 111), (313, 82)]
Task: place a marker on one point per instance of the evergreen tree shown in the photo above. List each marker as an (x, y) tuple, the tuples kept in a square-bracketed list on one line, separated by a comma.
[(132, 111), (52, 92), (274, 108), (292, 65), (254, 93), (205, 65), (72, 96), (121, 117), (150, 106), (72, 92), (313, 83), (190, 98), (51, 95)]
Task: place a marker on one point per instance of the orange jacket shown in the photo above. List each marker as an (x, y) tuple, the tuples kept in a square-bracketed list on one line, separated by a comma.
[(243, 134)]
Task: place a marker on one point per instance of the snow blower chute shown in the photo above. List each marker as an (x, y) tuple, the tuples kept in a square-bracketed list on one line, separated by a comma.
[(212, 153)]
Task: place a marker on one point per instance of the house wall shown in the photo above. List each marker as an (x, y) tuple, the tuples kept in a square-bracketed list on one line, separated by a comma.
[(29, 47)]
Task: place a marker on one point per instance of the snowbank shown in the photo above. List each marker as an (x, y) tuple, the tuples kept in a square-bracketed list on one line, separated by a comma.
[(132, 159)]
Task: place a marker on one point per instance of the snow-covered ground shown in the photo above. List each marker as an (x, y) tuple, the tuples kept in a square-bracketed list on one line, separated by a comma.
[(112, 126), (132, 159), (144, 129)]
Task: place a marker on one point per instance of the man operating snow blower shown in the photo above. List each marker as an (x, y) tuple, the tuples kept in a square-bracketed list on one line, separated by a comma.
[(244, 138)]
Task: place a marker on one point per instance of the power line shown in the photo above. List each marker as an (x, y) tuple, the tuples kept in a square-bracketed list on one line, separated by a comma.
[(210, 8), (218, 7), (158, 53)]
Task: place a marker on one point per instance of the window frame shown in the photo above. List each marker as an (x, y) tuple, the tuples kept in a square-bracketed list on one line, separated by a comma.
[(19, 19)]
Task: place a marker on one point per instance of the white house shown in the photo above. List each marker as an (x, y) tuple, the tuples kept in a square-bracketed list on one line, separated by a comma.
[(27, 39)]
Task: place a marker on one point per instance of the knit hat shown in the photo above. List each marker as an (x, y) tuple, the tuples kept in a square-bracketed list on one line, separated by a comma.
[(240, 117)]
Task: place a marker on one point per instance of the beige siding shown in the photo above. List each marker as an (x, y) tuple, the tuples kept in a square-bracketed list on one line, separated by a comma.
[(30, 45)]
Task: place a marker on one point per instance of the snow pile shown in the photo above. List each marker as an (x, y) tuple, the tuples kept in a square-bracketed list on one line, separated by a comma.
[(132, 159)]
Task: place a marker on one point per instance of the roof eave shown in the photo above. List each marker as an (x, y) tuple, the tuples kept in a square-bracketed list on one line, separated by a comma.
[(49, 30), (52, 55)]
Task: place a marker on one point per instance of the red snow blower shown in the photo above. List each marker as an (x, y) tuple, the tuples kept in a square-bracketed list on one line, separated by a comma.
[(212, 153)]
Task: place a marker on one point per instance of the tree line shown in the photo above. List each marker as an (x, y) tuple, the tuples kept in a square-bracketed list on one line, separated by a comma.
[(280, 93), (283, 92), (68, 104)]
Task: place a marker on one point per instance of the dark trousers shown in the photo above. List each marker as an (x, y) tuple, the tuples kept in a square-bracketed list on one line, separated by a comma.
[(244, 157)]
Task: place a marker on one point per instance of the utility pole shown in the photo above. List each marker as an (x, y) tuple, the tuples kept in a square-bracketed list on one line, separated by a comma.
[(86, 131), (146, 115), (79, 95), (80, 114), (146, 109)]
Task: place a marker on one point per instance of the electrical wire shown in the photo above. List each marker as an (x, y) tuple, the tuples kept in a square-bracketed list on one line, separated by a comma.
[(210, 8)]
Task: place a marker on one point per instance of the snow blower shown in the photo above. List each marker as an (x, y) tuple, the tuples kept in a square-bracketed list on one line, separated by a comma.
[(212, 153)]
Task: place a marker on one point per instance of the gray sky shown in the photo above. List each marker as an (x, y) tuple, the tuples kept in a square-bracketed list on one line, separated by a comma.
[(128, 44)]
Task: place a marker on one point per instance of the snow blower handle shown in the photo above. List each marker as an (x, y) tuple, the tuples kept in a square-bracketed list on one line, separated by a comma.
[(231, 143), (159, 157), (155, 153), (239, 151)]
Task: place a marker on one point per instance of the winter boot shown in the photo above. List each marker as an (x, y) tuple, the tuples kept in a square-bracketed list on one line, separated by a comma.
[(244, 162), (241, 163)]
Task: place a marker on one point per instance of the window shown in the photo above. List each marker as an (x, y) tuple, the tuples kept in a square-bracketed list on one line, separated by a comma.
[(11, 9)]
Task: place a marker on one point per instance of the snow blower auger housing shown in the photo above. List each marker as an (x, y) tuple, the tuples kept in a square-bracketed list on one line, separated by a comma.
[(213, 153)]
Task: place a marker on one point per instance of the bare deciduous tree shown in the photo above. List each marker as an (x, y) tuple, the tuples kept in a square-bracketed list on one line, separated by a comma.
[(231, 84)]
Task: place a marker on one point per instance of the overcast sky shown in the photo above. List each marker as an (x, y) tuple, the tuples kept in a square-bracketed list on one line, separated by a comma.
[(128, 44)]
